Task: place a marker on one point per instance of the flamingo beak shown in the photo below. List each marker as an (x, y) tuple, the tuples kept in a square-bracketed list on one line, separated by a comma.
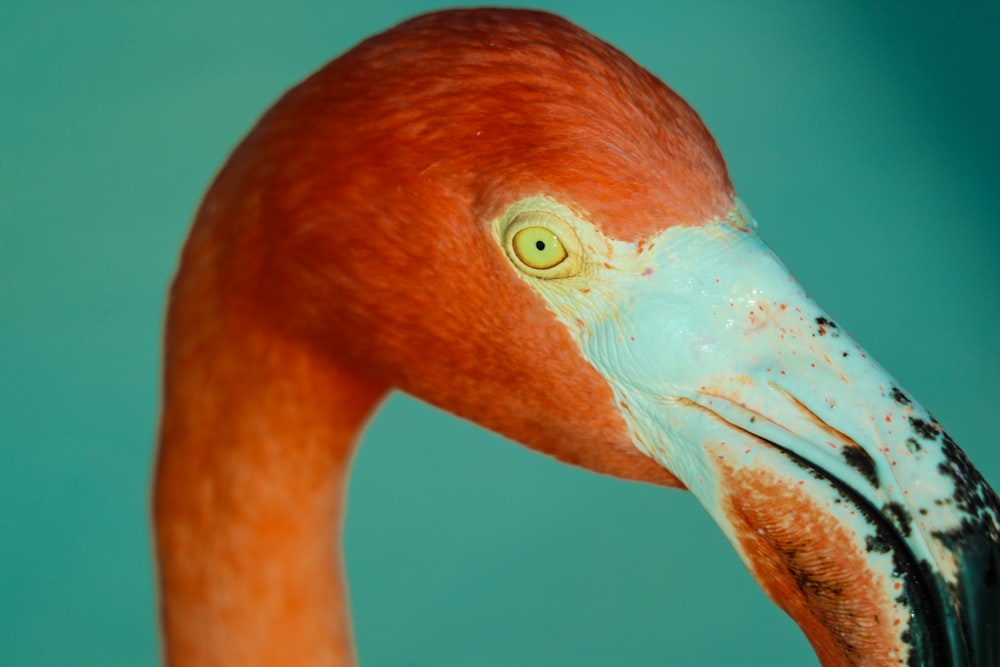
[(847, 501)]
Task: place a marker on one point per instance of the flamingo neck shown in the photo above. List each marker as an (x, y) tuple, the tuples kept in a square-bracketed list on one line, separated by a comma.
[(256, 441)]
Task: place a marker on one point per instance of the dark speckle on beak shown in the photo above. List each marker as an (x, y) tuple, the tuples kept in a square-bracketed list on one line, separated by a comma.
[(860, 460), (923, 429), (899, 516), (827, 326), (877, 544), (900, 397), (972, 495)]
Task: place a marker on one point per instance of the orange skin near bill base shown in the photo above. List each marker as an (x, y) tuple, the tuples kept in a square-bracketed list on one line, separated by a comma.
[(805, 563)]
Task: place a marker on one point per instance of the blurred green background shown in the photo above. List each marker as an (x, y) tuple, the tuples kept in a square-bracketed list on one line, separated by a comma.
[(864, 137)]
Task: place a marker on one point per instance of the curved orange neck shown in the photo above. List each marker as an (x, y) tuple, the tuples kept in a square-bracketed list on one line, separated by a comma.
[(256, 442)]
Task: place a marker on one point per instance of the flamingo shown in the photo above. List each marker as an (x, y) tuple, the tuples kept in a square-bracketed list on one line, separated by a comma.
[(499, 213)]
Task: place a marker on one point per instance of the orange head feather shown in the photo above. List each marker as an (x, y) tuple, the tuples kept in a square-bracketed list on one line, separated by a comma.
[(367, 192)]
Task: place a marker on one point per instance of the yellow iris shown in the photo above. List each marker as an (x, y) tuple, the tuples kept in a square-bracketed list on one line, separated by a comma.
[(538, 248)]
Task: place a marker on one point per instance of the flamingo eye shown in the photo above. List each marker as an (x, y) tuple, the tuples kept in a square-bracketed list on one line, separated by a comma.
[(543, 245), (539, 248)]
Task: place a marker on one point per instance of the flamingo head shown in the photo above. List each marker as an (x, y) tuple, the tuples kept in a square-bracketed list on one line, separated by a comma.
[(503, 215)]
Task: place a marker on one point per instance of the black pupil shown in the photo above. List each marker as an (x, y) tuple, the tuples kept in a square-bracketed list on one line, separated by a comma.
[(540, 245)]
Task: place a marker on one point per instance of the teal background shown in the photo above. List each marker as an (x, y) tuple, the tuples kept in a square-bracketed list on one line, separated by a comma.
[(864, 137)]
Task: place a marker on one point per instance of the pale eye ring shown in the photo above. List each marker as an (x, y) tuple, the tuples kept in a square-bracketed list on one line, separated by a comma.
[(543, 245)]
